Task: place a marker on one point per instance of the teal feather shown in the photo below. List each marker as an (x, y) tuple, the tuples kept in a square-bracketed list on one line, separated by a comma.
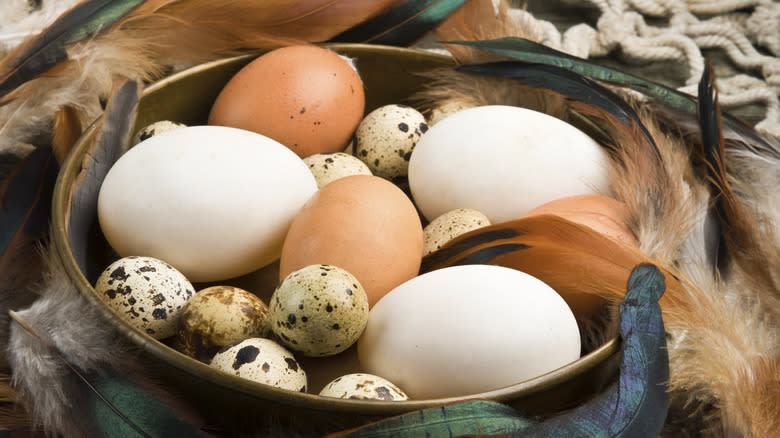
[(402, 25)]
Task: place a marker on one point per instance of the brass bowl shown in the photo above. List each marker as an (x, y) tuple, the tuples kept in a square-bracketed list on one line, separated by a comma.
[(390, 75)]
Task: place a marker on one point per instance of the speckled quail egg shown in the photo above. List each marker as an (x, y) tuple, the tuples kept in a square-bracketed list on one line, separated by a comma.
[(262, 360), (147, 293), (448, 108), (385, 138), (330, 167), (451, 225), (319, 310), (218, 316), (153, 129), (362, 386)]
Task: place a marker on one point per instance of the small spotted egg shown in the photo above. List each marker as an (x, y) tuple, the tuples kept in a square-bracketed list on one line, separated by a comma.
[(362, 386), (319, 310), (262, 360), (218, 316), (446, 109), (155, 128), (451, 225), (385, 138), (330, 167), (148, 293)]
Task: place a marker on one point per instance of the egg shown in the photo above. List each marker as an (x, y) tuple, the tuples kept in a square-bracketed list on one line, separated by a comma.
[(319, 310), (308, 98), (218, 316), (262, 360), (330, 167), (503, 161), (363, 224), (601, 213), (147, 293), (385, 138), (361, 386), (214, 202), (153, 129), (451, 225), (464, 330), (448, 108)]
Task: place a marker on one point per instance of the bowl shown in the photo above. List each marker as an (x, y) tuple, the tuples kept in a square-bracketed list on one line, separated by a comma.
[(390, 75)]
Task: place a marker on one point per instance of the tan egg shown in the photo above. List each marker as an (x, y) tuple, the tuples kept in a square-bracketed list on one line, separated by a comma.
[(602, 213), (148, 293), (218, 316), (363, 224), (262, 360), (153, 129), (451, 225), (385, 138), (447, 109), (306, 97), (361, 386), (330, 167), (319, 310)]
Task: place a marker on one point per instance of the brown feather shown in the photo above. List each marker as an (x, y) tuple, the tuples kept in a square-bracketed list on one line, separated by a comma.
[(12, 413), (66, 130)]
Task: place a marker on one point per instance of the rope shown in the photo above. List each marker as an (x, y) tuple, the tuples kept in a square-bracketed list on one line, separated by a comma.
[(746, 31)]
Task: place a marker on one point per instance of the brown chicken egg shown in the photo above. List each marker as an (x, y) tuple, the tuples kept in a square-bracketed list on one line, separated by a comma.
[(363, 224), (601, 213), (306, 97)]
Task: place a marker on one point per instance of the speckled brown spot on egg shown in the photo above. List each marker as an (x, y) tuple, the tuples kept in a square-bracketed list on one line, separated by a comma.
[(291, 363), (245, 355)]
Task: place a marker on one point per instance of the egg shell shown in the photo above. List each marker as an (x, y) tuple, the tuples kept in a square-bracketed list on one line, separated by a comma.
[(468, 329), (385, 138), (362, 224), (148, 293), (319, 310), (601, 213), (214, 202), (330, 167), (308, 98), (153, 129), (219, 316), (361, 386), (451, 225), (446, 109), (503, 161), (262, 360)]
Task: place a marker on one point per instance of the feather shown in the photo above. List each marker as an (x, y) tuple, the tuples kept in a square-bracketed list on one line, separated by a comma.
[(12, 414), (25, 206), (634, 405), (66, 131)]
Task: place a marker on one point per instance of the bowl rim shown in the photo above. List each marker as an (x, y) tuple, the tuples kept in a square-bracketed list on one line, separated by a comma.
[(60, 206)]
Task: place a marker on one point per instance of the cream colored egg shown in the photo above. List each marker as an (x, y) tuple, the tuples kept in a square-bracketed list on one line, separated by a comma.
[(451, 225), (361, 386), (330, 167), (218, 316), (262, 360), (153, 129), (503, 161), (319, 310), (147, 293), (446, 109), (385, 138), (468, 329), (215, 202)]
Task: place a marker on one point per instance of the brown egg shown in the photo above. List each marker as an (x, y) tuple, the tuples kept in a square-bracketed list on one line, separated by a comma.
[(601, 213), (305, 97), (363, 224)]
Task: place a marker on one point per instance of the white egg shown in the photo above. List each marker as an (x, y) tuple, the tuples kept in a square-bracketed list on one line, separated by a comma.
[(468, 329), (503, 161), (147, 293), (215, 202)]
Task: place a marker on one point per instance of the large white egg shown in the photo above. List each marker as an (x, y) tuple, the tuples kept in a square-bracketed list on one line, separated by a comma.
[(214, 202), (503, 161), (468, 329)]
